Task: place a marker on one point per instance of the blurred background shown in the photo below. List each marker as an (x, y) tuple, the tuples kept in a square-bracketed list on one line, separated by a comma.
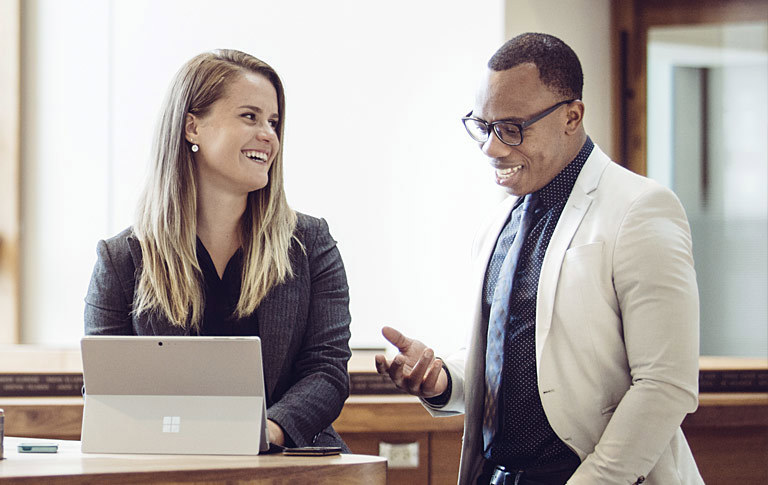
[(373, 143)]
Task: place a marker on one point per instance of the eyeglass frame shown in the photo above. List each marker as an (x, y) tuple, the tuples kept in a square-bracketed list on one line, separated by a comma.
[(520, 126)]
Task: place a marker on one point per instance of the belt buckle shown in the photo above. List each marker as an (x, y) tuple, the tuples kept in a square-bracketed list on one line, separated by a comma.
[(501, 476)]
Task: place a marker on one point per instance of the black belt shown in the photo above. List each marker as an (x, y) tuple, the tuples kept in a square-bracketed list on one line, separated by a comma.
[(552, 473)]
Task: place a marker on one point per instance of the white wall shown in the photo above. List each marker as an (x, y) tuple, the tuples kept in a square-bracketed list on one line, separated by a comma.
[(65, 161), (373, 138)]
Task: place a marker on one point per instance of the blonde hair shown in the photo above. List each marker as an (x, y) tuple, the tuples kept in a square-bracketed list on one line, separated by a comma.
[(171, 281)]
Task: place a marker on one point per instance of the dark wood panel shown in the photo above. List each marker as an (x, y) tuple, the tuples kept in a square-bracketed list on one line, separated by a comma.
[(444, 454), (677, 12), (727, 456), (53, 418), (368, 444)]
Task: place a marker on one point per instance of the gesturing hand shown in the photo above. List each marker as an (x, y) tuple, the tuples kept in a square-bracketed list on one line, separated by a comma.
[(415, 369)]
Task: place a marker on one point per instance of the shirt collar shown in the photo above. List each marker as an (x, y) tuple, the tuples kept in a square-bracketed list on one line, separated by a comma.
[(559, 188)]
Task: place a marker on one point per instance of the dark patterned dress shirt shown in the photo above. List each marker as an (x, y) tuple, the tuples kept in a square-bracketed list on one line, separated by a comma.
[(525, 438)]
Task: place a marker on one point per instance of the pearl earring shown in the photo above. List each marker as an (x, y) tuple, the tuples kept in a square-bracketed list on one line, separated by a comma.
[(195, 148)]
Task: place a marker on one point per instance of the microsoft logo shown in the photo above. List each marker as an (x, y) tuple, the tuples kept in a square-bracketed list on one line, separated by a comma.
[(171, 424)]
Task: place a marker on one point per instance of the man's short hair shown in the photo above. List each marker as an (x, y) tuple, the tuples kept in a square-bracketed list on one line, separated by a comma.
[(559, 67)]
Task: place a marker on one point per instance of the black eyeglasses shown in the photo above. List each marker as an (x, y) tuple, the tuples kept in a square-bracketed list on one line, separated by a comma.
[(509, 132)]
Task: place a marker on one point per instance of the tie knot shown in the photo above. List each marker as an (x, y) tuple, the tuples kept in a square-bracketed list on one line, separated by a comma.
[(529, 204)]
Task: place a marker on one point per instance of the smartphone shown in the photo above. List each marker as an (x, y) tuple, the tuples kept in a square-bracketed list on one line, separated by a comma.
[(313, 451), (38, 447)]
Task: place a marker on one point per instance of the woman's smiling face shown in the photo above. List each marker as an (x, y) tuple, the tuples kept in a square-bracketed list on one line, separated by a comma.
[(238, 136)]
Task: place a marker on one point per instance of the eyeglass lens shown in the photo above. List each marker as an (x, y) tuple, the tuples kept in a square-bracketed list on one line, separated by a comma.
[(508, 132)]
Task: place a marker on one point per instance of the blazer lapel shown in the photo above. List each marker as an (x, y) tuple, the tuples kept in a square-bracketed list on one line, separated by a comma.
[(474, 381), (487, 243), (575, 208)]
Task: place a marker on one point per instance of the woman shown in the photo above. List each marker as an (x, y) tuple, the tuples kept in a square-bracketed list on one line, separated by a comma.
[(216, 250)]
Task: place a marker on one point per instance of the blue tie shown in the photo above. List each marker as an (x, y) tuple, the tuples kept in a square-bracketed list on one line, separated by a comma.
[(497, 322)]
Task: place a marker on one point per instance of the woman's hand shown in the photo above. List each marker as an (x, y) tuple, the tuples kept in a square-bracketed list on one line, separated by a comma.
[(276, 434)]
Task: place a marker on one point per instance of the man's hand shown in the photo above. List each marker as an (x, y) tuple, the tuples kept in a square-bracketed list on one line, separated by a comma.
[(414, 369)]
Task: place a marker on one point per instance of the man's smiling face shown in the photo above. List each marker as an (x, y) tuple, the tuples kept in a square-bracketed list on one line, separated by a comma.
[(517, 94)]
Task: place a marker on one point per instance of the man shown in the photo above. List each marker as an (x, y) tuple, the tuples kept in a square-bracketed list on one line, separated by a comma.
[(583, 356)]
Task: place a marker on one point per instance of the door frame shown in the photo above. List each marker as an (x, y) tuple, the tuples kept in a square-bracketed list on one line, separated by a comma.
[(631, 20)]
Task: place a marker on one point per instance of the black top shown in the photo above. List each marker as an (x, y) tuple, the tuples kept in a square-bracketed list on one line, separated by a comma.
[(525, 438), (221, 296)]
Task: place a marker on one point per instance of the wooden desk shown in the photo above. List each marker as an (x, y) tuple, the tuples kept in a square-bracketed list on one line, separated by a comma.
[(728, 433), (70, 466)]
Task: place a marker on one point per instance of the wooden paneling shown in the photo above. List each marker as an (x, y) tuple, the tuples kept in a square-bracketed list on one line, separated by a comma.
[(54, 418), (444, 455), (728, 435), (367, 421), (728, 455), (368, 444), (10, 70)]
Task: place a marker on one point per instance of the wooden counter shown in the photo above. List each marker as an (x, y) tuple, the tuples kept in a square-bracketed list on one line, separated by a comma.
[(72, 467), (728, 433)]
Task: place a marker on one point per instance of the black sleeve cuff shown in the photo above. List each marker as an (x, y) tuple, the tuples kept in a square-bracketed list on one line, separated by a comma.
[(442, 399)]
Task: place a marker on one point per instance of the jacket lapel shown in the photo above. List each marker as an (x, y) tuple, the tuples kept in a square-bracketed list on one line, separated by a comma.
[(487, 243), (482, 255), (474, 380), (575, 208)]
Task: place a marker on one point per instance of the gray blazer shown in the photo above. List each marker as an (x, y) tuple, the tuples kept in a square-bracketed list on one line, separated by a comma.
[(303, 325)]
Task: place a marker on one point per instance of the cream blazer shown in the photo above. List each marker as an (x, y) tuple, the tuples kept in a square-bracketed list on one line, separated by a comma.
[(617, 332)]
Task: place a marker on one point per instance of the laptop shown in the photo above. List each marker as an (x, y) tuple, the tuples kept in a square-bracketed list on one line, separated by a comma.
[(173, 395)]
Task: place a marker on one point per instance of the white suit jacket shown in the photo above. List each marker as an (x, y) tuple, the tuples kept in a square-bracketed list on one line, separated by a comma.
[(617, 332)]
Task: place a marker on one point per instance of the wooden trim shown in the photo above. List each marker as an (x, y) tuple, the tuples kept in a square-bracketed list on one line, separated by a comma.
[(629, 121), (734, 399), (379, 414), (729, 410), (713, 362), (681, 12), (623, 26), (61, 417), (10, 180), (631, 20)]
